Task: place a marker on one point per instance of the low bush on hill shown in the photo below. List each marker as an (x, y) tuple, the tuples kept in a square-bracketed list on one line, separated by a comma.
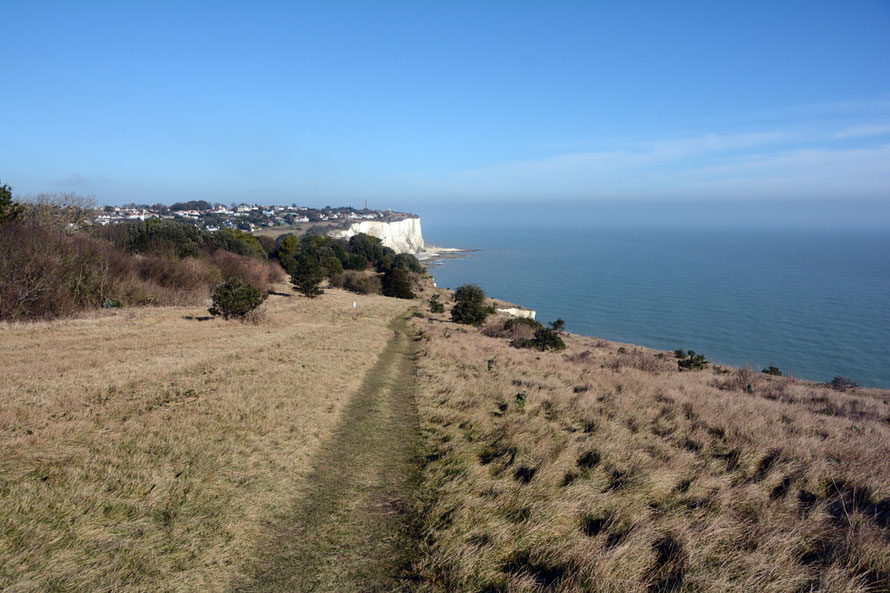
[(545, 338), (435, 305), (235, 298), (690, 361), (359, 282), (469, 305), (397, 283)]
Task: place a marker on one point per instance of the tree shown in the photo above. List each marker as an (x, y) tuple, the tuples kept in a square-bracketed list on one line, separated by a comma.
[(305, 274), (469, 307), (9, 210), (235, 298), (558, 325), (397, 283)]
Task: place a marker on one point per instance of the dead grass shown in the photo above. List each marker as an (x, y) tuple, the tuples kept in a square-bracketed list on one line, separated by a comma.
[(146, 449), (605, 470)]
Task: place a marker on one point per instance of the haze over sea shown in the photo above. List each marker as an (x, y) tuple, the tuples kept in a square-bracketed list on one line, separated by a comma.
[(811, 300)]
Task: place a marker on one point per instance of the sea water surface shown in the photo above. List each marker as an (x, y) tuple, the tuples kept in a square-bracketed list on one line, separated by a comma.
[(813, 302)]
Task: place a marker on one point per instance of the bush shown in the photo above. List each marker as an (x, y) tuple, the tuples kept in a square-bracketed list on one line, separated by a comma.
[(406, 260), (397, 283), (249, 269), (470, 305), (305, 274), (356, 261), (235, 298), (842, 383), (690, 361), (9, 210), (772, 371), (517, 322), (545, 339), (435, 305), (357, 282)]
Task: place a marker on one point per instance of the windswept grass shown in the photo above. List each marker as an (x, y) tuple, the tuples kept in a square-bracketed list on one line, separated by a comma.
[(148, 450), (606, 469)]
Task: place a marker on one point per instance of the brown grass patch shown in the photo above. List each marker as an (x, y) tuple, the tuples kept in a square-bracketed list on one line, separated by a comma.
[(145, 450), (616, 472)]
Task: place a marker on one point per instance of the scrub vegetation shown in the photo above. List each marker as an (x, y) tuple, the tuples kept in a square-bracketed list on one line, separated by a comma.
[(55, 265), (607, 467)]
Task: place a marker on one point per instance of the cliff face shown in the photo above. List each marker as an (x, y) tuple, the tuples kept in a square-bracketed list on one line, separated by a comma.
[(403, 236)]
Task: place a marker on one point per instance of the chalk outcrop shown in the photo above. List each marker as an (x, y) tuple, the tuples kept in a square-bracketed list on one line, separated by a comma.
[(515, 312), (403, 236)]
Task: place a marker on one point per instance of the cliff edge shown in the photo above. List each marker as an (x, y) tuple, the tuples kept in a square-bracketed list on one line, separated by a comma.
[(404, 236)]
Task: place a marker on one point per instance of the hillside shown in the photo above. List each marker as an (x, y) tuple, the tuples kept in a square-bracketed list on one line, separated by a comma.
[(605, 468), (153, 449)]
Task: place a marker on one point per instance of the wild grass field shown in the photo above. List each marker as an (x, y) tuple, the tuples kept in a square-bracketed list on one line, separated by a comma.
[(158, 449), (147, 449), (604, 468)]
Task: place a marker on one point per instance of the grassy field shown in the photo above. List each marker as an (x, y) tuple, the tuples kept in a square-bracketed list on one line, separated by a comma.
[(149, 450), (599, 469), (155, 449)]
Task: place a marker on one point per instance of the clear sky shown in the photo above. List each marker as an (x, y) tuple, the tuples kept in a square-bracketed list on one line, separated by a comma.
[(338, 102)]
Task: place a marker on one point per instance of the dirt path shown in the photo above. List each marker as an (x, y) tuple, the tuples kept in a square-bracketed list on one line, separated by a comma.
[(349, 527)]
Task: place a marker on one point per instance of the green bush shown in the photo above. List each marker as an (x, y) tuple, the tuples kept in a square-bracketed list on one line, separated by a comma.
[(692, 361), (397, 283), (546, 338), (305, 274), (516, 322), (408, 261), (234, 298), (435, 305), (771, 370), (470, 307), (9, 210)]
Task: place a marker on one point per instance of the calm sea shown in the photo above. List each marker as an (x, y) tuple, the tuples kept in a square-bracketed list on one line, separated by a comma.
[(814, 303)]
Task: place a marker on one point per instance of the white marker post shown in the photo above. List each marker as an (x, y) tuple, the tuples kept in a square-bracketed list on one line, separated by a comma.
[(354, 309)]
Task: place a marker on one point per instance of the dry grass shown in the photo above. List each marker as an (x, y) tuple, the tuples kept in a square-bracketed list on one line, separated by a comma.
[(600, 470), (146, 449)]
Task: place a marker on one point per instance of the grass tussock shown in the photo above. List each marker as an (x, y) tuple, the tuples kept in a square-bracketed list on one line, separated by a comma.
[(606, 468), (148, 449)]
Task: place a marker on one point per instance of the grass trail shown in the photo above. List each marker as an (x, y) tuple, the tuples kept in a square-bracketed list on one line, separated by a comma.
[(349, 527)]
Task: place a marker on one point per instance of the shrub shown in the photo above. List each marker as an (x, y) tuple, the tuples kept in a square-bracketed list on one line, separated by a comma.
[(545, 339), (691, 361), (397, 283), (249, 269), (235, 298), (470, 305), (517, 322), (357, 282), (470, 313), (9, 210), (842, 383), (305, 274), (406, 260), (772, 371), (356, 261), (435, 305)]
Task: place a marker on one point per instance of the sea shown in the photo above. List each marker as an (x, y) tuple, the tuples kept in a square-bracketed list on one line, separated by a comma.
[(814, 302)]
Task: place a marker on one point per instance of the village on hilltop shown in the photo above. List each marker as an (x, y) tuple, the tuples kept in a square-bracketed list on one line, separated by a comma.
[(246, 217)]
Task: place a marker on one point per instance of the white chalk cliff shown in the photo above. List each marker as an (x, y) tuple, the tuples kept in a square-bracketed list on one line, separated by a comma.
[(403, 236)]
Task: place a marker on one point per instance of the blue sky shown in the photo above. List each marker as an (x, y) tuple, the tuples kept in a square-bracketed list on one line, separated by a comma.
[(401, 102)]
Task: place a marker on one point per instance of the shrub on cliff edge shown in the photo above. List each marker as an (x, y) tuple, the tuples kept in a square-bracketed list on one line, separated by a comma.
[(470, 307)]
